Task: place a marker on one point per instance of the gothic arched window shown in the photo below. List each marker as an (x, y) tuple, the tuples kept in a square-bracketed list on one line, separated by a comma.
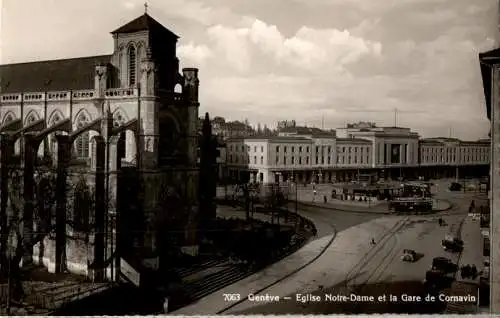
[(131, 66), (52, 141), (118, 120), (8, 119), (30, 119), (82, 141)]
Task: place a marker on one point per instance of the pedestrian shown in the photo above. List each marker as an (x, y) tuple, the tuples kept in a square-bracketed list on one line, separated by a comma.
[(472, 207), (165, 305), (373, 241), (324, 199), (473, 271)]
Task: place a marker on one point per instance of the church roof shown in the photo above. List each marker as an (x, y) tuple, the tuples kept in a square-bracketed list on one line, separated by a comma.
[(144, 23), (53, 75)]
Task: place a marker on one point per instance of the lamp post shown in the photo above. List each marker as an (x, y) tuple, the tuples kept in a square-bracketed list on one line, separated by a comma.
[(277, 192)]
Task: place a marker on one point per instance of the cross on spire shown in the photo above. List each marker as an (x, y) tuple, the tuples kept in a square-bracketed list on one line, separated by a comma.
[(145, 7)]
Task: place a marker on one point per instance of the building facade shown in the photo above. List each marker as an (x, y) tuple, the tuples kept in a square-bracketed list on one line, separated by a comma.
[(342, 156), (140, 85), (490, 72)]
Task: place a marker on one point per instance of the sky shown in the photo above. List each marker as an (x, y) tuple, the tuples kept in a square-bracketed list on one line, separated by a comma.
[(320, 62)]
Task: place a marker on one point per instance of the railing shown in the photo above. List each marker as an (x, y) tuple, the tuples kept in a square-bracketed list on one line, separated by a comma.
[(58, 96), (121, 92), (84, 94), (11, 98), (37, 96), (66, 95), (80, 95)]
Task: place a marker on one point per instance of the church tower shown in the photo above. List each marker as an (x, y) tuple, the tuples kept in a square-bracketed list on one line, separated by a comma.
[(145, 60), (144, 39)]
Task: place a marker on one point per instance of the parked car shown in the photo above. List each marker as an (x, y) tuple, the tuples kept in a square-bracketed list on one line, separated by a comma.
[(454, 245), (409, 256), (437, 279), (455, 186), (444, 264)]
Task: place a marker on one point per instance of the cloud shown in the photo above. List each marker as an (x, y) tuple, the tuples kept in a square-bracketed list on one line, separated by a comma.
[(129, 5), (309, 49), (303, 59), (192, 53)]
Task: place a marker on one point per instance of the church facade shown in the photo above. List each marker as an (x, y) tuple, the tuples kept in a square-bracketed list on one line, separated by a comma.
[(139, 82)]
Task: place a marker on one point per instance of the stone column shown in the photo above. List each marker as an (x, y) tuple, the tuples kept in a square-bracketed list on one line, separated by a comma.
[(402, 154), (29, 156), (114, 168), (388, 154), (149, 117), (98, 168), (6, 152), (131, 147), (190, 97), (64, 143), (100, 79)]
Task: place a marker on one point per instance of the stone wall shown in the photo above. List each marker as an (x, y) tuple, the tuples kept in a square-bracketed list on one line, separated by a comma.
[(79, 254)]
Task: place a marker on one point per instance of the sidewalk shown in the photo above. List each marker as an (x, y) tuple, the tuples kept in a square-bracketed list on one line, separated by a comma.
[(215, 303), (439, 205), (473, 246), (306, 268), (332, 268), (472, 254)]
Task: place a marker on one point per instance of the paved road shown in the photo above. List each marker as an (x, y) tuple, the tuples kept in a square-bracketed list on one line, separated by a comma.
[(383, 272), (328, 221)]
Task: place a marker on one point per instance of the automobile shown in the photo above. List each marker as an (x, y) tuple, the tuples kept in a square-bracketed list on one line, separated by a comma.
[(475, 216), (454, 245), (437, 279), (455, 186), (444, 264), (409, 256)]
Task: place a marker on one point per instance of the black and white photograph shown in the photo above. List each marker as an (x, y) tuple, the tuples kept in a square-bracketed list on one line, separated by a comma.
[(249, 157)]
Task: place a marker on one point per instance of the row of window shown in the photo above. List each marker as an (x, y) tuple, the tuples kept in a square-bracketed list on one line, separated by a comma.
[(468, 158), (242, 147), (300, 160), (454, 150), (350, 149), (340, 159), (299, 149)]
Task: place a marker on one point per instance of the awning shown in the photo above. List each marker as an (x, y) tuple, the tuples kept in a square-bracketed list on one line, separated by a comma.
[(486, 61)]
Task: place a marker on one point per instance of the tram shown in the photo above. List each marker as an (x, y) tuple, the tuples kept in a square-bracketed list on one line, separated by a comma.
[(402, 204), (420, 189)]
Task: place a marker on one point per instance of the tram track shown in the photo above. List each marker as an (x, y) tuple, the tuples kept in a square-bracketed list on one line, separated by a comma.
[(314, 219), (390, 237)]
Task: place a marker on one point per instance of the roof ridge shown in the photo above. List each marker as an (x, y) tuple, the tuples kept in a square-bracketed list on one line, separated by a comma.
[(142, 23), (60, 60)]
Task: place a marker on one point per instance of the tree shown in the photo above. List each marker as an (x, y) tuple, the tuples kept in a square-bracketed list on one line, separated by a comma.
[(259, 129), (274, 199), (19, 244), (207, 179), (44, 190)]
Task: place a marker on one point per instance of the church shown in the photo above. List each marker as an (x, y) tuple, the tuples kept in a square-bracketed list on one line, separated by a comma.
[(139, 82)]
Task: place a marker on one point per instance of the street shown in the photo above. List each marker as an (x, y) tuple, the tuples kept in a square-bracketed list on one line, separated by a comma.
[(376, 270)]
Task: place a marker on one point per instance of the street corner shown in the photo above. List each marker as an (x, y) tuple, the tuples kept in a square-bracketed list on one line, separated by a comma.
[(440, 205)]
